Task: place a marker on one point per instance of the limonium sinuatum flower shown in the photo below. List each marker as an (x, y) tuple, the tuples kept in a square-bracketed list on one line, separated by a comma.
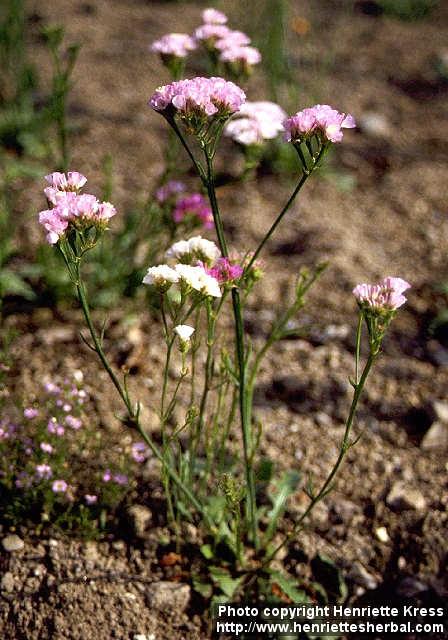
[(385, 296), (321, 120), (194, 206), (213, 16), (225, 271), (198, 279), (210, 33), (247, 56), (59, 486), (194, 249), (232, 39), (184, 332), (199, 98), (70, 208), (161, 276), (177, 45), (256, 122)]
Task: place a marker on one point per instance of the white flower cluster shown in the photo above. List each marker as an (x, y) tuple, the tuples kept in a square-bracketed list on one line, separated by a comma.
[(190, 276), (194, 249)]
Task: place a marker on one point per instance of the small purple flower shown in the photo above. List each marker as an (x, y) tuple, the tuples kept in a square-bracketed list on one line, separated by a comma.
[(43, 471), (107, 475), (120, 478), (73, 422), (90, 499), (52, 388), (30, 413), (55, 428), (139, 451), (46, 447), (67, 407), (59, 486)]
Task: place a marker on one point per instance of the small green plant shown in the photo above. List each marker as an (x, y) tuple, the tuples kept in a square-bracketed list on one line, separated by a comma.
[(53, 468), (408, 9)]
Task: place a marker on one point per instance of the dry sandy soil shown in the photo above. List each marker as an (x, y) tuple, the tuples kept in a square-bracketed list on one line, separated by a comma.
[(391, 221)]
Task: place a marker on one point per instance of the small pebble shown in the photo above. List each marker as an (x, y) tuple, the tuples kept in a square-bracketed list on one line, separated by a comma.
[(382, 535), (7, 582), (12, 543)]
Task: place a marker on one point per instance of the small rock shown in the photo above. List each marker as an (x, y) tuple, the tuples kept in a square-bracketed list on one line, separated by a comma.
[(140, 516), (323, 419), (441, 410), (436, 438), (7, 582), (91, 551), (403, 498), (165, 596), (382, 534), (359, 574), (343, 511), (374, 124), (12, 543), (55, 334)]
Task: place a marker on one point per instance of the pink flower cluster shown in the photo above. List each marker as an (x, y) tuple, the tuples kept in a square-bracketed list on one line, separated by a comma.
[(256, 122), (70, 208), (194, 207), (213, 16), (387, 295), (225, 271), (189, 207), (321, 120), (232, 46), (177, 45), (199, 97), (246, 56)]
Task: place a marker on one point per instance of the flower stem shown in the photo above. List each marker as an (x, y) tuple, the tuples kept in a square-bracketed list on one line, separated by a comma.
[(240, 354), (133, 414)]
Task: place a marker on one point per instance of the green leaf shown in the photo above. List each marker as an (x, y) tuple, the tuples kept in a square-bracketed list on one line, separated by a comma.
[(207, 551), (13, 284), (224, 581), (265, 470), (289, 587), (286, 487), (205, 589)]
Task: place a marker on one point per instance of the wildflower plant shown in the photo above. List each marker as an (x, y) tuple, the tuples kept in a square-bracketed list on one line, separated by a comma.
[(46, 468), (208, 438)]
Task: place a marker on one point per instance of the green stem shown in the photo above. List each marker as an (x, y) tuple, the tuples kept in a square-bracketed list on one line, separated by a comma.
[(196, 164), (305, 175), (277, 220), (134, 414), (240, 353)]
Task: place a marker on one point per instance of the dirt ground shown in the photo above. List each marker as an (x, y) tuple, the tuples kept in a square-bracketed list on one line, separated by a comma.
[(392, 220)]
